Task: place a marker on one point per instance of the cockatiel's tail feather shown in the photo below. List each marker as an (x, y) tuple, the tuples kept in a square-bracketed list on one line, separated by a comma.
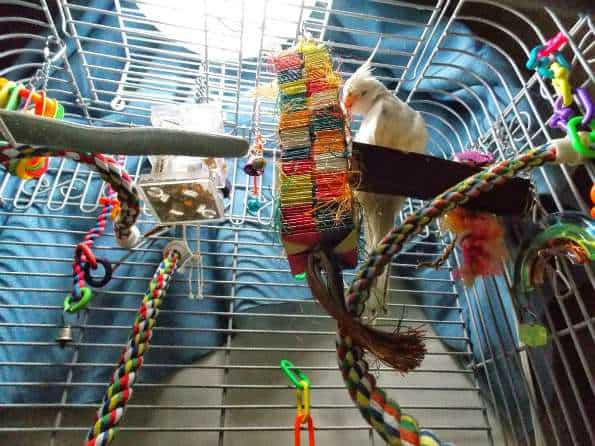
[(380, 211)]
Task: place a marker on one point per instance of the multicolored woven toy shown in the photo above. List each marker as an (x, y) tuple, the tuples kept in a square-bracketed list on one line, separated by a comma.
[(316, 204)]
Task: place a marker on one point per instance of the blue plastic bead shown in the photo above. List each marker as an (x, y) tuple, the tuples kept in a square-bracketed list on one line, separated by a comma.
[(254, 205)]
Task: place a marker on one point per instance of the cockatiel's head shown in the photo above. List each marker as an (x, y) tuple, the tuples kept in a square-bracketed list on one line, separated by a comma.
[(361, 90)]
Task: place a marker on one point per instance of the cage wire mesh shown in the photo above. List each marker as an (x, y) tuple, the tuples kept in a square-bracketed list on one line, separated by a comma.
[(212, 375)]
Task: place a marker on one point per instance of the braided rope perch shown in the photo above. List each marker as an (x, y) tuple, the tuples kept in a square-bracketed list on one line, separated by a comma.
[(381, 412), (127, 234), (119, 391)]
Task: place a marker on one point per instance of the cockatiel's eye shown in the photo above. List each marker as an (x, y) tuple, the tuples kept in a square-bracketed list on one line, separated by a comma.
[(363, 93)]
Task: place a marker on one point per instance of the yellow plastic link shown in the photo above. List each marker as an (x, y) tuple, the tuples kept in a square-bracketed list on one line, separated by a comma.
[(302, 394)]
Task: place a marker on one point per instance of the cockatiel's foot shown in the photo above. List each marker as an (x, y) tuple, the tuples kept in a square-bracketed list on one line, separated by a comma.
[(376, 305)]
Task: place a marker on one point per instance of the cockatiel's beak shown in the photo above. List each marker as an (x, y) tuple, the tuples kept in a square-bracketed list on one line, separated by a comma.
[(348, 102)]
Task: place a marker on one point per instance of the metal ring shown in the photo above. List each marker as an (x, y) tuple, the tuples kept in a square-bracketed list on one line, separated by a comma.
[(107, 276)]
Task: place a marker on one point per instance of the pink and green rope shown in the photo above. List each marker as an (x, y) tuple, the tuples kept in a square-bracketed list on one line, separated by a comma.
[(381, 412), (109, 208), (119, 391)]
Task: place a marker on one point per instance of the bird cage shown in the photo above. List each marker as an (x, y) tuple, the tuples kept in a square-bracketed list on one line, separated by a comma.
[(212, 373)]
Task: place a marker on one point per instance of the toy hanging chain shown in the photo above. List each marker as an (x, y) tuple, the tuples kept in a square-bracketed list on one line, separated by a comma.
[(548, 61), (85, 260)]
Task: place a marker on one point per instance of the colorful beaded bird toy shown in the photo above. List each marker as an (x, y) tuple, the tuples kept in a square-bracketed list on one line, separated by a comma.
[(15, 96), (575, 117), (316, 205)]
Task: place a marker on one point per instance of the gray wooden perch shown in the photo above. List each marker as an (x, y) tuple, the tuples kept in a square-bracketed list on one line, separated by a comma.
[(33, 130)]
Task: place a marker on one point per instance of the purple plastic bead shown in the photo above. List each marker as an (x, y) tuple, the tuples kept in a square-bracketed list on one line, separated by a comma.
[(587, 105), (474, 157), (561, 115)]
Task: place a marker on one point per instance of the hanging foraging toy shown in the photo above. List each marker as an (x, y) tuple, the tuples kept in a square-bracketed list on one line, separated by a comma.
[(481, 238), (316, 204), (183, 189)]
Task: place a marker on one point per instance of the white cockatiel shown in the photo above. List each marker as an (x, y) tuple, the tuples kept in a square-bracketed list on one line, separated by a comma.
[(387, 122)]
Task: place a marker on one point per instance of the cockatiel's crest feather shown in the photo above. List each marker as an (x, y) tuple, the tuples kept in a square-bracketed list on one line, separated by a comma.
[(363, 73)]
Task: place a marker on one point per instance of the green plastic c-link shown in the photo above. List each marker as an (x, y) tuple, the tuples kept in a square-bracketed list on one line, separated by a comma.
[(294, 374), (577, 142), (86, 295)]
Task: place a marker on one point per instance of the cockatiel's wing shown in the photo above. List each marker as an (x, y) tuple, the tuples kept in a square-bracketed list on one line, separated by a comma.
[(393, 124)]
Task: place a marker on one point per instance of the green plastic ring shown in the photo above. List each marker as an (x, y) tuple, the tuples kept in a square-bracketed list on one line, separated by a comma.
[(14, 99), (59, 111), (577, 141), (86, 295)]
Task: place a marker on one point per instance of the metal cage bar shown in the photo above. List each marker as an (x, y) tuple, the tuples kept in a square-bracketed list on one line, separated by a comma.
[(235, 395)]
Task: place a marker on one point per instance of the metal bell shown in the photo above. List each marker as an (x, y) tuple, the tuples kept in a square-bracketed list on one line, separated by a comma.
[(64, 335)]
